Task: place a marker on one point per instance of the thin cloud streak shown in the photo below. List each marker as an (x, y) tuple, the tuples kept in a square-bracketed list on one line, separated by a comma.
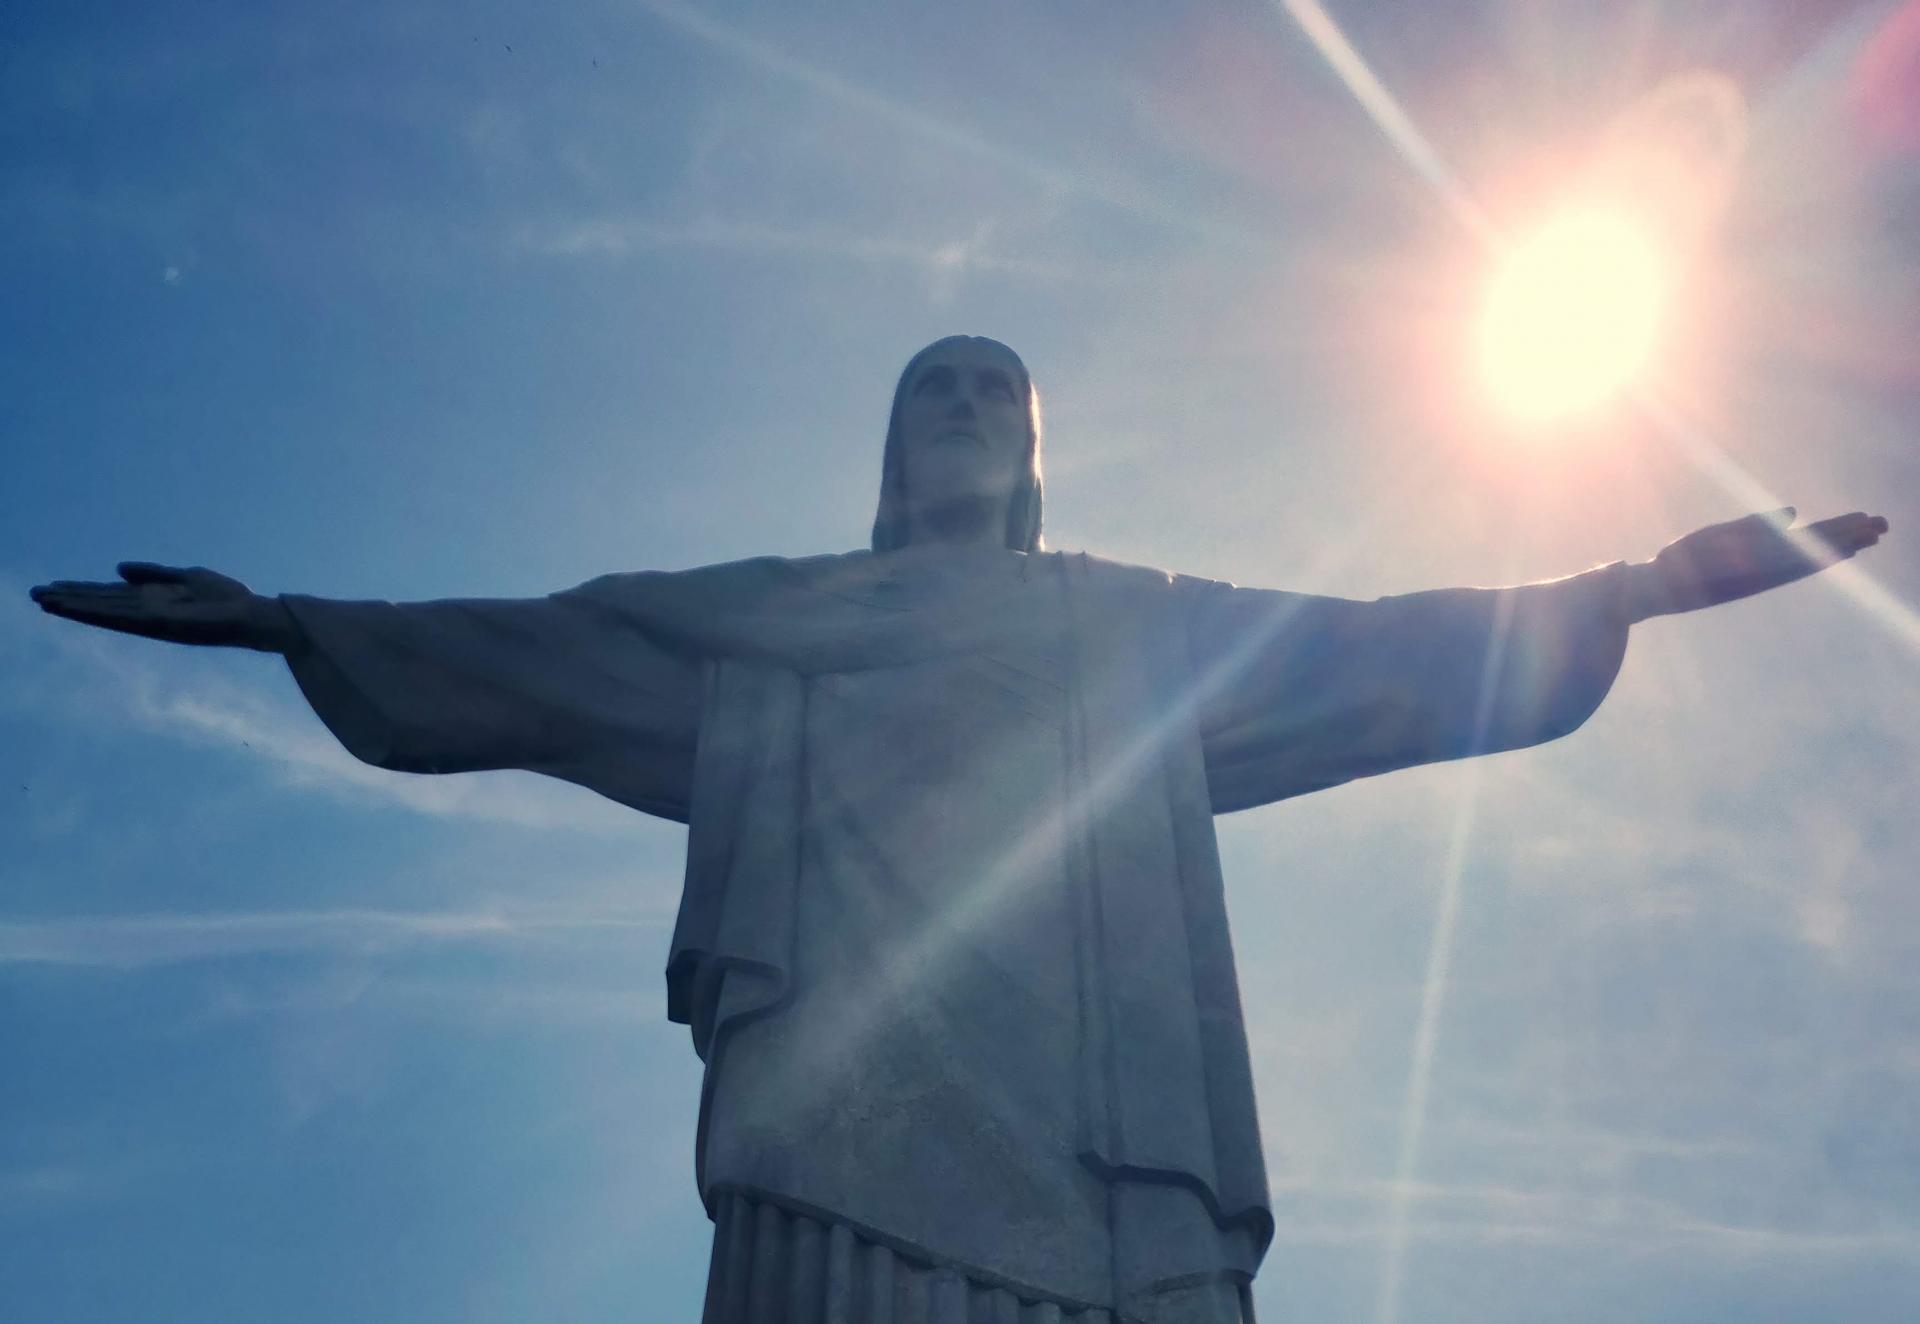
[(42, 1189), (125, 942), (1688, 1238), (619, 236), (1590, 1140), (1488, 1214), (764, 56), (525, 1001)]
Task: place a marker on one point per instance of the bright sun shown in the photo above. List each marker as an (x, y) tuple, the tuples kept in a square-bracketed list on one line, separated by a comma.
[(1572, 314)]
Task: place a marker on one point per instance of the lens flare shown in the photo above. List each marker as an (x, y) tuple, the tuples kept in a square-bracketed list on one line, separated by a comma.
[(1572, 314)]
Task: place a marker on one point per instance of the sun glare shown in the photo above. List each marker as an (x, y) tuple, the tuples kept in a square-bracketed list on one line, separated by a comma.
[(1572, 314)]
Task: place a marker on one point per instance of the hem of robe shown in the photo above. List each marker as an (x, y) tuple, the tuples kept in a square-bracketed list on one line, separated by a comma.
[(777, 1260)]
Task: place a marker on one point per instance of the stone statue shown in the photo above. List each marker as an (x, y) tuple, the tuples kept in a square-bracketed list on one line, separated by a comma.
[(952, 944)]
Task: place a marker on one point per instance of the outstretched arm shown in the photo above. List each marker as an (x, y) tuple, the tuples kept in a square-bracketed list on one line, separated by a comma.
[(557, 685), (180, 604), (1725, 562), (1302, 692)]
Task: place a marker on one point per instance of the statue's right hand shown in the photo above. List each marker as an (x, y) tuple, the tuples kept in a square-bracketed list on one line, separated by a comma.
[(184, 605)]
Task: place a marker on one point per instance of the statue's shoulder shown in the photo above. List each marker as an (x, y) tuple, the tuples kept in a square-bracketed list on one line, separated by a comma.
[(760, 593), (1102, 574), (762, 581), (754, 572)]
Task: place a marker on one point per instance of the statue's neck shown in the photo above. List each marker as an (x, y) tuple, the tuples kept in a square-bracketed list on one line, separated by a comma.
[(961, 522), (949, 562)]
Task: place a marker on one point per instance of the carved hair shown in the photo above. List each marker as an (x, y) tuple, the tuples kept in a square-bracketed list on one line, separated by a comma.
[(890, 530)]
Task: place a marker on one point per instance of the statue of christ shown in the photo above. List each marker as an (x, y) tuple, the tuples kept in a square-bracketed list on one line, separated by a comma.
[(952, 943)]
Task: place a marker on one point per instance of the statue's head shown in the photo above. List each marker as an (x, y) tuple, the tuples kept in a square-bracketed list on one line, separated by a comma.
[(963, 443)]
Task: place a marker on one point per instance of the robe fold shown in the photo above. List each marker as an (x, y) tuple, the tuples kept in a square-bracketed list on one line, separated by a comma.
[(951, 869)]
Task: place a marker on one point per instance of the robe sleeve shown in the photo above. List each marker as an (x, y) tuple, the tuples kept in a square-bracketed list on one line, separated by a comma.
[(1297, 692), (562, 685)]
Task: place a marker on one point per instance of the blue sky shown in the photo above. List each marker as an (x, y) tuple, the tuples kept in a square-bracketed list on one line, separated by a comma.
[(407, 300)]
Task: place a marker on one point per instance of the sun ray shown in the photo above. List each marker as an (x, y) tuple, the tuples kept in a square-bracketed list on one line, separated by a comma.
[(1433, 990), (1889, 612), (1419, 154), (917, 963), (1886, 610), (1386, 113)]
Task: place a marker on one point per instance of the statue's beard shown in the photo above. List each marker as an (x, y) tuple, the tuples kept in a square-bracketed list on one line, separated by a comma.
[(958, 519)]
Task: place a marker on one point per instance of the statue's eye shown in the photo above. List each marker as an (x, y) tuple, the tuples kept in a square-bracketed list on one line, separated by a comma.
[(937, 381), (997, 384)]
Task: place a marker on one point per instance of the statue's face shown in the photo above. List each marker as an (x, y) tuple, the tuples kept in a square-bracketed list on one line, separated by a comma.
[(963, 427)]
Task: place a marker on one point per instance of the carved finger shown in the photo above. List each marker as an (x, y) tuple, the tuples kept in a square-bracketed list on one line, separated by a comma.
[(79, 609), (79, 590), (151, 572), (101, 604), (1847, 534)]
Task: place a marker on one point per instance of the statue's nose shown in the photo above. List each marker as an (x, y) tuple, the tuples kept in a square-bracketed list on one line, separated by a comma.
[(962, 408)]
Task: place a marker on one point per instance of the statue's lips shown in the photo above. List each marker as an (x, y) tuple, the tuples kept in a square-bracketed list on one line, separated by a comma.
[(958, 434)]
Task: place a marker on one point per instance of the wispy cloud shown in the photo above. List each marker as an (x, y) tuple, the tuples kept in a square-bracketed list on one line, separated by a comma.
[(1348, 1210), (549, 1000), (35, 1188), (1124, 195), (622, 236), (133, 941)]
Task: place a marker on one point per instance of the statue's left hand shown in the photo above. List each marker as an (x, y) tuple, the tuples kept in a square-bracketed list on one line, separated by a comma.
[(1723, 562)]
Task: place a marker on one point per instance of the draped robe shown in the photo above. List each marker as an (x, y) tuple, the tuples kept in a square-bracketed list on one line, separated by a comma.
[(952, 942)]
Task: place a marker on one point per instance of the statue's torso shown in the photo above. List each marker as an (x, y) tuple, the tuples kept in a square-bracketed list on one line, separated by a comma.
[(923, 1072)]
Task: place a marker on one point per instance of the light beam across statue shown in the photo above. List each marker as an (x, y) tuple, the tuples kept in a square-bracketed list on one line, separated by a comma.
[(1572, 313)]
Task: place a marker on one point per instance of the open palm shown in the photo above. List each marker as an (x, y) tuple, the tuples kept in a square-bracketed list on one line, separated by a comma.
[(184, 605), (1724, 562)]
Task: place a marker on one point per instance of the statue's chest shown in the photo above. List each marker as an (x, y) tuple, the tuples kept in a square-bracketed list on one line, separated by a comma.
[(939, 724)]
